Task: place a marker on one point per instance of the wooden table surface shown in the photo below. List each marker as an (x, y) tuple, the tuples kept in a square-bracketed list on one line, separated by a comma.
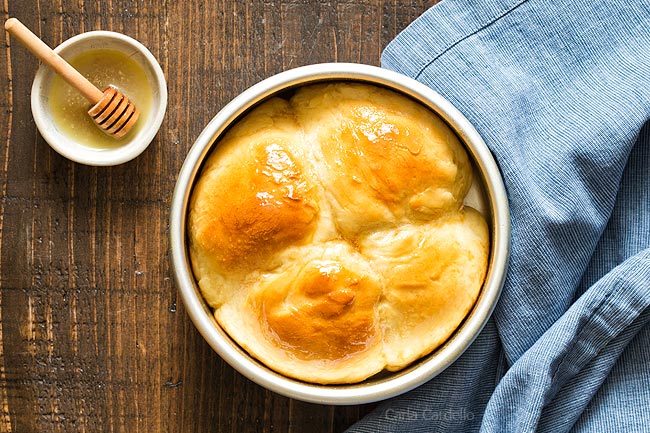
[(93, 336)]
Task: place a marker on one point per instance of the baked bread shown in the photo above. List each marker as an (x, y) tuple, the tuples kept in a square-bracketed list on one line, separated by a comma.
[(330, 236)]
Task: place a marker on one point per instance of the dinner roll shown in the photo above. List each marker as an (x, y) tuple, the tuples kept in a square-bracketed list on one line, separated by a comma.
[(314, 318), (328, 232), (432, 273), (385, 159), (254, 198)]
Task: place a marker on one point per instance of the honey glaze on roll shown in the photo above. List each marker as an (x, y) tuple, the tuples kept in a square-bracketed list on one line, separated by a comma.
[(326, 313), (253, 199), (386, 158), (328, 232), (259, 199), (314, 318)]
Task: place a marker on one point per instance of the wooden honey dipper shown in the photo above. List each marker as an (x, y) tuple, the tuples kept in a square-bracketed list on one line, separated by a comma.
[(113, 112)]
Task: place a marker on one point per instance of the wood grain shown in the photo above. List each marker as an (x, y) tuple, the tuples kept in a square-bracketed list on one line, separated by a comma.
[(93, 337)]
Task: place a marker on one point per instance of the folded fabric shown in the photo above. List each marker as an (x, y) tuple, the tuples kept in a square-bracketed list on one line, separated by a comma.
[(560, 92)]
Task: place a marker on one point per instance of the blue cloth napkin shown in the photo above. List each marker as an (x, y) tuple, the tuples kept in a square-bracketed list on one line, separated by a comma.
[(560, 92)]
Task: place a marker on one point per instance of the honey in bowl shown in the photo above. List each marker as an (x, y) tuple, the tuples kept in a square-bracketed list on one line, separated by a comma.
[(102, 67)]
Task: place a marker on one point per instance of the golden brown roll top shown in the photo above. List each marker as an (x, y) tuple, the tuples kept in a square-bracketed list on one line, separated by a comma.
[(321, 310), (433, 274), (315, 318), (386, 158), (329, 233), (254, 197)]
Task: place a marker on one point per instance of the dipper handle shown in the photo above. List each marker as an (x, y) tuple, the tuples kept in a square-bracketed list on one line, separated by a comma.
[(53, 60)]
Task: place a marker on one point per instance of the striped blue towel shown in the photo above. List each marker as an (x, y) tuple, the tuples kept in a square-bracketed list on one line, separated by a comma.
[(560, 91)]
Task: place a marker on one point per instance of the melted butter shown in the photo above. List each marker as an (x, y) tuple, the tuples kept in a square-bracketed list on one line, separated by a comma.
[(101, 67)]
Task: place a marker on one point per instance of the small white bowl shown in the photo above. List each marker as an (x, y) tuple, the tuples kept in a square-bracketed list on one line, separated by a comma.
[(133, 144)]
